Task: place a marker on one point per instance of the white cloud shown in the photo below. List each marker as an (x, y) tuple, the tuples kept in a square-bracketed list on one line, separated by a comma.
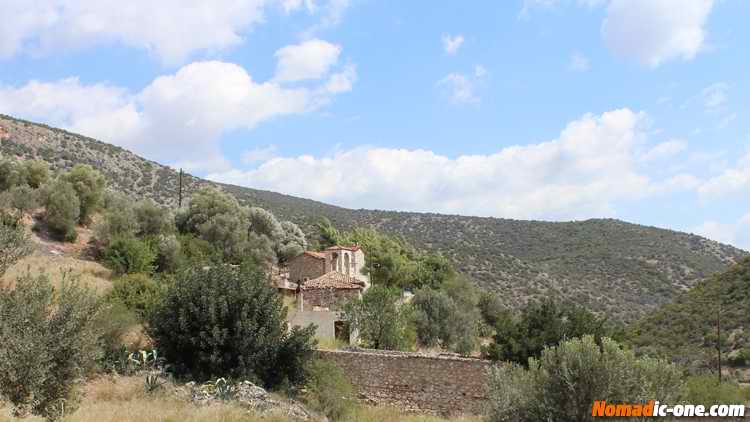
[(462, 88), (311, 59), (452, 44), (177, 118), (664, 150), (172, 30), (735, 233), (256, 155), (579, 63), (731, 181), (723, 233), (656, 31), (342, 81), (715, 96), (582, 173), (331, 14)]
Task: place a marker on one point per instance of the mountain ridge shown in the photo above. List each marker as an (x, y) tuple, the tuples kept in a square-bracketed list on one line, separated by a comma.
[(614, 267)]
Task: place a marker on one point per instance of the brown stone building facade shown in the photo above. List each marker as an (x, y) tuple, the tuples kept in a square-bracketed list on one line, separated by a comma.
[(307, 266)]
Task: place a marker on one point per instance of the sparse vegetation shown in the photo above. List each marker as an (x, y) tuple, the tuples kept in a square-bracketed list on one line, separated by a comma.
[(643, 267), (563, 383)]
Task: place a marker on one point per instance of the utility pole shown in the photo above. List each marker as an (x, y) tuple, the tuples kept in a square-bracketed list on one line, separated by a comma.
[(718, 332), (179, 199)]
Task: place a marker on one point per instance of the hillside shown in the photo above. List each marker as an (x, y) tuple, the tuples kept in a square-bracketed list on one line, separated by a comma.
[(615, 267), (687, 328)]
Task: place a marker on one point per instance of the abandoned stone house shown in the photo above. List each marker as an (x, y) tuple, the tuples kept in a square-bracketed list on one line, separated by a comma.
[(322, 283)]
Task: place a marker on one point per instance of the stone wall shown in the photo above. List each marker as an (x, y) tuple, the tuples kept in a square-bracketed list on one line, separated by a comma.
[(306, 267), (416, 382), (333, 299)]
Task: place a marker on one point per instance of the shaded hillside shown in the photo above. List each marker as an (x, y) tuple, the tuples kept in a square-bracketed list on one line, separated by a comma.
[(612, 266), (686, 329)]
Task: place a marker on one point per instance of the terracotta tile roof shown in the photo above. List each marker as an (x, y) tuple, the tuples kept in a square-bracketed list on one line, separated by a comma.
[(333, 280), (318, 255), (344, 248)]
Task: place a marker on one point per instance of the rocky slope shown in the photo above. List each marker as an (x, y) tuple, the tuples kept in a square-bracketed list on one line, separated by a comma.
[(618, 268)]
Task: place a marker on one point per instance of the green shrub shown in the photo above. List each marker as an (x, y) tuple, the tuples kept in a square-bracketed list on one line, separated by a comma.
[(381, 320), (62, 210), (48, 341), (113, 323), (441, 322), (169, 254), (118, 220), (14, 242), (89, 187), (706, 390), (519, 337), (128, 255), (37, 173), (328, 390), (229, 322), (153, 220), (564, 382), (138, 292)]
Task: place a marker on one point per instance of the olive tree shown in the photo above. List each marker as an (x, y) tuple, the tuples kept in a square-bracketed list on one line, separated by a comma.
[(48, 340), (89, 187), (292, 241), (564, 382), (14, 242), (62, 210)]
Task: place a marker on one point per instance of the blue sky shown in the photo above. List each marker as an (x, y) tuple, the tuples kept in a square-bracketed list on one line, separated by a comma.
[(541, 109)]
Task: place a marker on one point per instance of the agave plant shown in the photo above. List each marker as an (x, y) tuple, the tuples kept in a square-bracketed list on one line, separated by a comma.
[(221, 388), (153, 382)]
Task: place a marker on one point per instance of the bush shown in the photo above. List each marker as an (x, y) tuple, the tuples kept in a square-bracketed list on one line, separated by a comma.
[(11, 174), (14, 242), (564, 382), (229, 322), (128, 255), (37, 173), (118, 220), (48, 341), (540, 325), (153, 220), (381, 320), (169, 254), (89, 187), (62, 210), (328, 390), (706, 390), (138, 292)]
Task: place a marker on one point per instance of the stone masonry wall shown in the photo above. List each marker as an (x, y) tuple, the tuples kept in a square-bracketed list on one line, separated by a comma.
[(305, 266), (333, 299), (415, 382)]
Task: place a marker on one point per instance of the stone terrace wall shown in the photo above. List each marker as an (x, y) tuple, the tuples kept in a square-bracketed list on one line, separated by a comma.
[(415, 382)]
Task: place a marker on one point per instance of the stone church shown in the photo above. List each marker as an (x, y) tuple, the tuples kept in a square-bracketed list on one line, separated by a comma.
[(322, 283)]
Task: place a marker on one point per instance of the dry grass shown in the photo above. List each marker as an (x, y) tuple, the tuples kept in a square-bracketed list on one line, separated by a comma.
[(121, 399), (88, 273), (378, 414)]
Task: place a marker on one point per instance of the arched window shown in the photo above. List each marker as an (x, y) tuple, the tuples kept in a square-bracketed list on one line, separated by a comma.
[(346, 264)]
